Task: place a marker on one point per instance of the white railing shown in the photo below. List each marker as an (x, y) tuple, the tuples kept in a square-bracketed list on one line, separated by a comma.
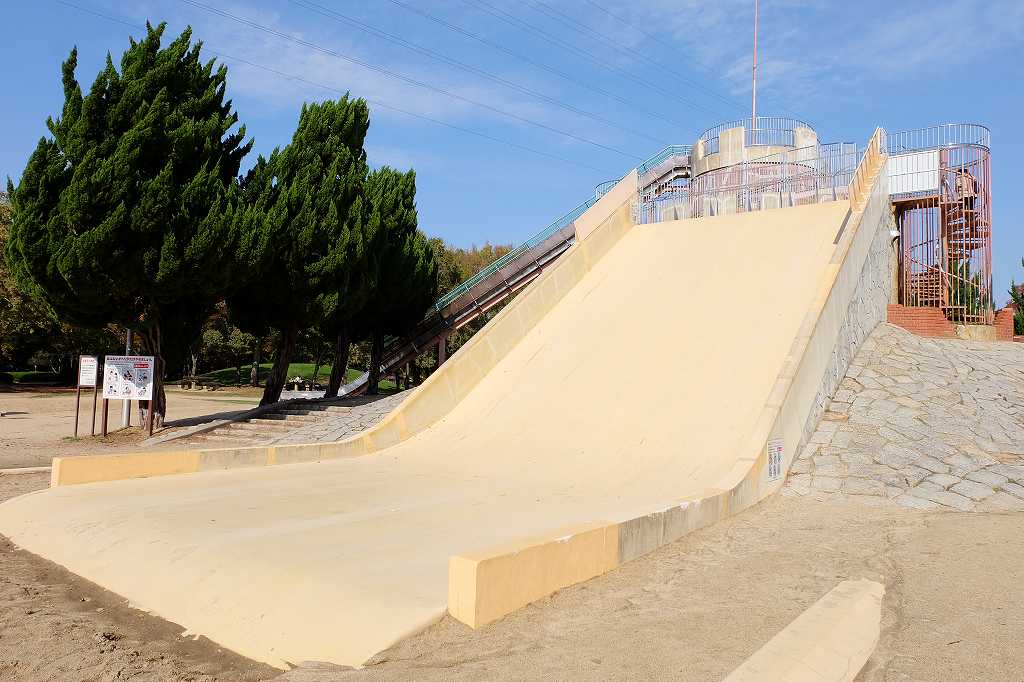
[(793, 178), (935, 137), (765, 130)]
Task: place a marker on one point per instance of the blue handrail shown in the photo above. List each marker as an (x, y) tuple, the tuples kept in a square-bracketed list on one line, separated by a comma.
[(515, 253), (666, 153)]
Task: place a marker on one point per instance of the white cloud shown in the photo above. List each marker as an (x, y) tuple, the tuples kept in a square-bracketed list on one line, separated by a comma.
[(317, 68)]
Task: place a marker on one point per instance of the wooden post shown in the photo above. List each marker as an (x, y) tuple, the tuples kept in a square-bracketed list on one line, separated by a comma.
[(95, 390), (103, 419), (78, 396)]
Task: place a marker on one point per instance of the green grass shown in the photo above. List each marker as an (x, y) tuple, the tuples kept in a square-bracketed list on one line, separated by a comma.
[(229, 375), (30, 377)]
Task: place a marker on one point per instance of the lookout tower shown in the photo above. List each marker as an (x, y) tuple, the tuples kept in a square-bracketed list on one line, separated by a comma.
[(745, 165), (728, 144)]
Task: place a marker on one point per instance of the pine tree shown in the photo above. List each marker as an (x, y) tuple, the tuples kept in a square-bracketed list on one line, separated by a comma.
[(402, 260), (307, 198), (128, 214), (1017, 300)]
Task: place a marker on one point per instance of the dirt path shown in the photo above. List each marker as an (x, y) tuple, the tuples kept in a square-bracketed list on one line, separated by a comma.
[(40, 423), (692, 610)]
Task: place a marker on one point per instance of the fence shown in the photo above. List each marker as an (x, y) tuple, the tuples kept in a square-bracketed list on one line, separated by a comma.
[(765, 130), (935, 137), (793, 178)]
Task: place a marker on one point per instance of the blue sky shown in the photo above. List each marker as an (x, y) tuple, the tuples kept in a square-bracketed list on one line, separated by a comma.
[(620, 93)]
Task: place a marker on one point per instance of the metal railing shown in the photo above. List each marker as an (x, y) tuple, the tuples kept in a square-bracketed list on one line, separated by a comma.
[(871, 163), (792, 178), (765, 130), (936, 137), (673, 152), (940, 185), (604, 188), (512, 255)]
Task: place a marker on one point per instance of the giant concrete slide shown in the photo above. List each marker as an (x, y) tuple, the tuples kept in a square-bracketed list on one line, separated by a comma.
[(624, 398)]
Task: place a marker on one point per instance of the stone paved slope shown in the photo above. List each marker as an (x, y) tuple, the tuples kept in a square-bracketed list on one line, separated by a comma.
[(335, 427), (923, 423), (342, 418)]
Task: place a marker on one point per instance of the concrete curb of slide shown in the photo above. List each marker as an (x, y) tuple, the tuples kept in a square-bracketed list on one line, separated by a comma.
[(24, 470)]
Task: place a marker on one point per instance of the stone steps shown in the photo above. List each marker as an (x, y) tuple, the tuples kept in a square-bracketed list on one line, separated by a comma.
[(260, 428), (290, 416), (219, 436), (270, 425)]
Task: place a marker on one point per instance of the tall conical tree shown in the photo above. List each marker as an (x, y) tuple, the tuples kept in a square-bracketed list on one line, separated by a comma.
[(402, 260), (127, 214), (310, 196)]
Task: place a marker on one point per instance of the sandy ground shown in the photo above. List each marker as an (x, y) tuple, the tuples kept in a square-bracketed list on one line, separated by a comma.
[(56, 626), (40, 423), (693, 610)]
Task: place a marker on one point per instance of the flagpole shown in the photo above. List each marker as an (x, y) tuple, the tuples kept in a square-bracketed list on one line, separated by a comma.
[(753, 106)]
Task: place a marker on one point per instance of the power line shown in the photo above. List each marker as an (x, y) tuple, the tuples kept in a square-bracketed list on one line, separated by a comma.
[(101, 15), (586, 54), (398, 76), (565, 19), (419, 49), (528, 60), (300, 79), (657, 39), (377, 103)]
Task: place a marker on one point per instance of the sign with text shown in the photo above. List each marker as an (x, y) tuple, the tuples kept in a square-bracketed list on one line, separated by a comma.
[(87, 367), (775, 451), (128, 377)]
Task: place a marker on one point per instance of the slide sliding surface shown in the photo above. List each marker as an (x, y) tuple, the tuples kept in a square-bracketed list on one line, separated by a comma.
[(637, 390)]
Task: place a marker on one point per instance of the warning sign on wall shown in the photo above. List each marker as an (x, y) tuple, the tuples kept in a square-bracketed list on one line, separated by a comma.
[(128, 377), (775, 449)]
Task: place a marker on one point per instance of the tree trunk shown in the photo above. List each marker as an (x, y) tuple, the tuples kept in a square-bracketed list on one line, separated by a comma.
[(254, 373), (340, 368), (376, 355), (151, 339), (414, 373), (279, 372), (319, 361)]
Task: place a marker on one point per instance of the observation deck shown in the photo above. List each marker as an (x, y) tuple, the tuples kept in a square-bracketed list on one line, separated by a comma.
[(728, 144)]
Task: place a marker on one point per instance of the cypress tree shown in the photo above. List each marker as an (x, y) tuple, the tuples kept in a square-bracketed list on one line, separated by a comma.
[(127, 214), (402, 260), (308, 197)]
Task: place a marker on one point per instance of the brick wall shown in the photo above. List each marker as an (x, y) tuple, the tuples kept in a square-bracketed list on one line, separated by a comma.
[(1004, 324), (923, 321)]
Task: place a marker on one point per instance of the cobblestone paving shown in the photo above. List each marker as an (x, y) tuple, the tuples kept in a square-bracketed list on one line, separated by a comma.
[(922, 423), (338, 426)]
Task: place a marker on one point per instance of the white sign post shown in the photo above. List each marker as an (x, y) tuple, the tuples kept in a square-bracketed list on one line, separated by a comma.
[(127, 377), (87, 369)]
